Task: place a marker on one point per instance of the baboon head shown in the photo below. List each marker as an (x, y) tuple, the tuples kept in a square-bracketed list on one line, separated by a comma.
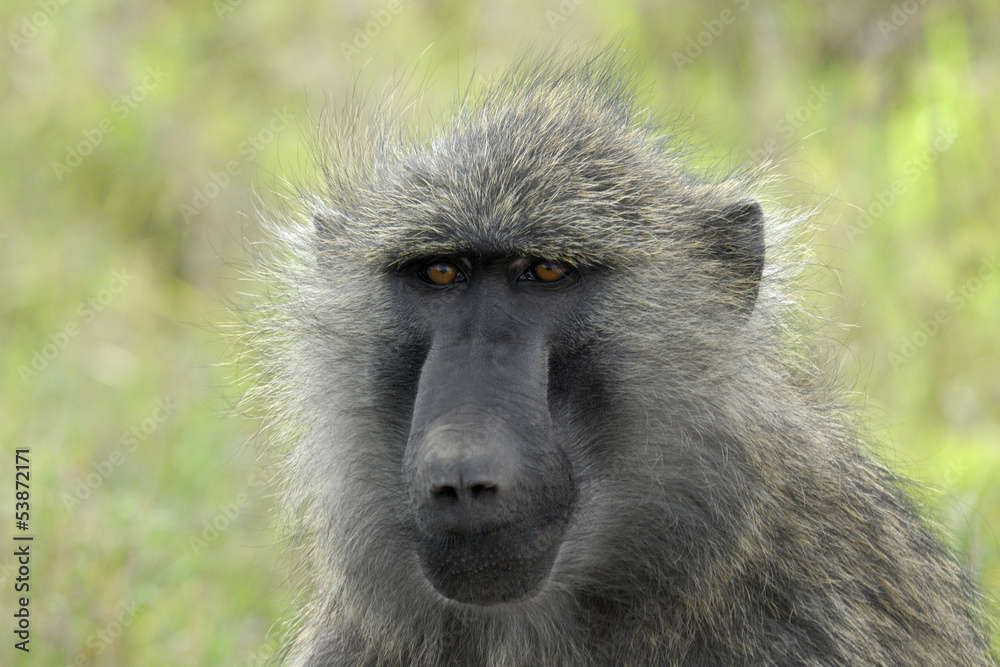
[(549, 408), (498, 254)]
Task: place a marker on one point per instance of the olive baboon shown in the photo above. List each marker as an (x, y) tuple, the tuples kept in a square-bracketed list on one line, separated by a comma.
[(550, 406)]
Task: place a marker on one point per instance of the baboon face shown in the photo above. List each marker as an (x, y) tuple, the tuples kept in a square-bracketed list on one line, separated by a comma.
[(505, 382), (490, 483), (496, 389)]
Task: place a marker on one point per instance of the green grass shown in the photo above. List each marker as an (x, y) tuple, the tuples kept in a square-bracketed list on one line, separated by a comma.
[(170, 100)]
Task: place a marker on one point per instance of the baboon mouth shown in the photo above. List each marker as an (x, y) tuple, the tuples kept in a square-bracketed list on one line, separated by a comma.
[(504, 565)]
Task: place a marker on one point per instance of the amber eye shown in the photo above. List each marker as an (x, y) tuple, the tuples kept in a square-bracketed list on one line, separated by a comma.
[(442, 273), (546, 272)]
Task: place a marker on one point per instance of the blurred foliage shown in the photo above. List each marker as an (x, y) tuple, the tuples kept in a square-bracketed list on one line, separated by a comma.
[(134, 134)]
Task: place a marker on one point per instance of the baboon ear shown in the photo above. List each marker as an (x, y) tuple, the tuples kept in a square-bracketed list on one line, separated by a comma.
[(737, 240)]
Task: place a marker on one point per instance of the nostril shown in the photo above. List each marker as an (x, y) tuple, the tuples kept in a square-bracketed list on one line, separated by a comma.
[(483, 491), (444, 493), (447, 493)]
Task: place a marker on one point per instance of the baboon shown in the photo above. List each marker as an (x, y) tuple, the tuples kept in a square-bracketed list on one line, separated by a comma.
[(551, 403)]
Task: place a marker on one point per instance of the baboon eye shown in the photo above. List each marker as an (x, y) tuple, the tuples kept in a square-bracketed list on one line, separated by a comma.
[(442, 273), (546, 272)]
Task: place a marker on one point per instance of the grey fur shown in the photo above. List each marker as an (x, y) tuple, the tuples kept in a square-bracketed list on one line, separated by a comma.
[(728, 513)]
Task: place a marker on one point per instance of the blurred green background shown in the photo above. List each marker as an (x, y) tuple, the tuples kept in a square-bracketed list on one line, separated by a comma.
[(134, 135)]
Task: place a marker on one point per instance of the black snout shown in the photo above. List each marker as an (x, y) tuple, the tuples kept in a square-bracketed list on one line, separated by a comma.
[(490, 487)]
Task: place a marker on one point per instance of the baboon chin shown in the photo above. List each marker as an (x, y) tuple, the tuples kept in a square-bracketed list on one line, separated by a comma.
[(548, 402)]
